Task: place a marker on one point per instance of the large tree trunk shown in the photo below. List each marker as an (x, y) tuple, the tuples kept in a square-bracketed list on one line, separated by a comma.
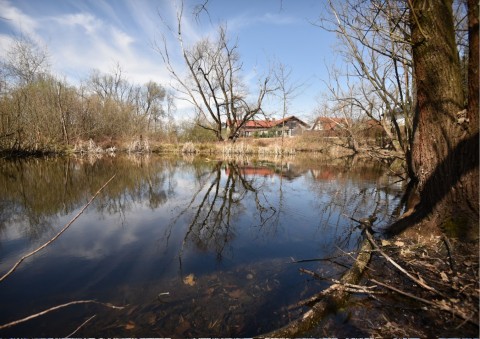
[(445, 146), (473, 57)]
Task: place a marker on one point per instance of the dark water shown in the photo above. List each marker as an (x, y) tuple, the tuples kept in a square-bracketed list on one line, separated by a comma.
[(191, 247)]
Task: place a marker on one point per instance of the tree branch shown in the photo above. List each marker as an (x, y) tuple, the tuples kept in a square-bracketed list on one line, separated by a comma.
[(51, 309), (14, 267)]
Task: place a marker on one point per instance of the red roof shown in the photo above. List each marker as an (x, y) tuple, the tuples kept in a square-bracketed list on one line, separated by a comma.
[(330, 123), (252, 170), (268, 123)]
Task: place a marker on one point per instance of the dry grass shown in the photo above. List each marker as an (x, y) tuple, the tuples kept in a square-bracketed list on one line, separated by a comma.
[(308, 142)]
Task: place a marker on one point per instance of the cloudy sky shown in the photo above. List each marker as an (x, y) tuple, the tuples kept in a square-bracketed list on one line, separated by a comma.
[(81, 35)]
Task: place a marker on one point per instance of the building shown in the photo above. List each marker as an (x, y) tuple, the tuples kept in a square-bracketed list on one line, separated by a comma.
[(329, 124), (331, 127), (273, 128)]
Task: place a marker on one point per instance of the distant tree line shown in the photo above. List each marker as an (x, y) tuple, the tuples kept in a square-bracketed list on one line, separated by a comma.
[(40, 111)]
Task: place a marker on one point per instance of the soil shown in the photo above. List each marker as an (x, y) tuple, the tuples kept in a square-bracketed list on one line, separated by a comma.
[(449, 266)]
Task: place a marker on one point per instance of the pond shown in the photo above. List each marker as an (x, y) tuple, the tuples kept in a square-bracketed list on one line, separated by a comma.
[(189, 246)]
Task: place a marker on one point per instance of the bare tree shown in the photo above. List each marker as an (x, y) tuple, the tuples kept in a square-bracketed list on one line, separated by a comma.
[(25, 65), (285, 89), (384, 40), (25, 62), (375, 38), (111, 85), (148, 103), (214, 85)]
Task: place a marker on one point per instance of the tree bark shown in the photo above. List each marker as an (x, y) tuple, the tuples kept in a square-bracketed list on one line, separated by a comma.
[(473, 60), (445, 147)]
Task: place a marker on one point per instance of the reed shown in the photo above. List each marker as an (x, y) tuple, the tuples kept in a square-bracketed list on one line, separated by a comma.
[(189, 148)]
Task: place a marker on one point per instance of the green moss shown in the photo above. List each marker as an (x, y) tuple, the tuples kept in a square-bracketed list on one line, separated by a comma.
[(456, 227)]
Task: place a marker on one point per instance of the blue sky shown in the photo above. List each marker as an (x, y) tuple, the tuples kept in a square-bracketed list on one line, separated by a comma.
[(82, 35)]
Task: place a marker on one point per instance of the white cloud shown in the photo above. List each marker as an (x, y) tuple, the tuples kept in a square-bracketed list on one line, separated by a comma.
[(84, 20), (87, 38), (81, 41), (242, 21), (122, 39), (21, 22), (6, 42)]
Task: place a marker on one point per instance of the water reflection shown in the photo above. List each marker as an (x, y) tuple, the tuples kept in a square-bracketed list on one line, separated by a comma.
[(220, 205), (40, 189), (232, 225)]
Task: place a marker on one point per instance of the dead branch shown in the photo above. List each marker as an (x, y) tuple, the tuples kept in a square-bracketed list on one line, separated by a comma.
[(334, 296), (311, 273), (337, 284), (354, 288), (51, 309), (330, 259), (79, 327), (420, 281), (441, 305), (14, 267), (449, 250)]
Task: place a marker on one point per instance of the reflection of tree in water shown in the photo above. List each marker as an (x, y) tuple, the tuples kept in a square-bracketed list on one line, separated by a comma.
[(37, 191), (220, 204), (350, 189)]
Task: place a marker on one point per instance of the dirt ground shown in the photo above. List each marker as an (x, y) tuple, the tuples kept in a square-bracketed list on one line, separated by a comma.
[(397, 306)]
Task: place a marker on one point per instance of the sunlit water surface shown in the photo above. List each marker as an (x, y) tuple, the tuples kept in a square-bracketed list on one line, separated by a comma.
[(191, 247)]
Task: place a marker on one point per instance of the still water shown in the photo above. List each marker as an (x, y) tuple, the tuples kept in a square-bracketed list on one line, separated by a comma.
[(190, 246)]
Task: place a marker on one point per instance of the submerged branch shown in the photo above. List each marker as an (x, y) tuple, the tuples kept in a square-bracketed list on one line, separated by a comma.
[(79, 327), (336, 295), (36, 315), (14, 267)]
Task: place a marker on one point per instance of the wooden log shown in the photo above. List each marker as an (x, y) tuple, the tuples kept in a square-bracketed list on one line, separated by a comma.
[(332, 298)]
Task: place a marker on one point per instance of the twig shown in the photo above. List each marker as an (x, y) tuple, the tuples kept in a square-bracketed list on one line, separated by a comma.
[(313, 274), (440, 305), (36, 315), (400, 268), (449, 250), (14, 267), (313, 259), (79, 327), (354, 288), (337, 284), (305, 302), (330, 259)]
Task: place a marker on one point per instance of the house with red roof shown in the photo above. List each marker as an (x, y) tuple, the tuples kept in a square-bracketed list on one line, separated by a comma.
[(329, 124), (289, 126), (331, 127)]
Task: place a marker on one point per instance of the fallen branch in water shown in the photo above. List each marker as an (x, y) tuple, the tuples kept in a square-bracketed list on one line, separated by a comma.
[(337, 284), (79, 327), (332, 260), (311, 273), (36, 315), (14, 267), (334, 296)]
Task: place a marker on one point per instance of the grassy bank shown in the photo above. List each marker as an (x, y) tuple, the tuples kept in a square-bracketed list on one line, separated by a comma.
[(309, 143), (258, 146)]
